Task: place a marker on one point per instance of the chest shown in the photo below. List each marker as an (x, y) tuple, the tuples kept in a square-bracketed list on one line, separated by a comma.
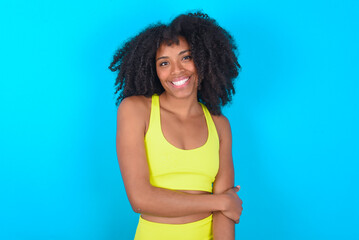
[(185, 134)]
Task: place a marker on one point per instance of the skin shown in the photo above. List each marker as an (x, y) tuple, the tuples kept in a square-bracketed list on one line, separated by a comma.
[(178, 107)]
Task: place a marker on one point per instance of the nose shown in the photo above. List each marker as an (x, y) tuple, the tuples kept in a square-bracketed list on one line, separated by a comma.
[(177, 68)]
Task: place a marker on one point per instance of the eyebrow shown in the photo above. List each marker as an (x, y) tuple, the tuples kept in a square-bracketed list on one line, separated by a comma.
[(180, 53)]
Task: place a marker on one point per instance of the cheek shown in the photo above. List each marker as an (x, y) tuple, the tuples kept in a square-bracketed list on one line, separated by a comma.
[(192, 67), (158, 71), (161, 74)]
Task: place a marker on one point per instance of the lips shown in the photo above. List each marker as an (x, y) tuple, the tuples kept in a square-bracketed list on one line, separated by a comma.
[(180, 82)]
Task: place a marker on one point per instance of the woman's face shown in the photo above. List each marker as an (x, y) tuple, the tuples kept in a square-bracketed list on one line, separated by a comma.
[(176, 70)]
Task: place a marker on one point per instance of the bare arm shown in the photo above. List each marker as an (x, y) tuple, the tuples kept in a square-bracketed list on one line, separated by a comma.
[(223, 227), (145, 198)]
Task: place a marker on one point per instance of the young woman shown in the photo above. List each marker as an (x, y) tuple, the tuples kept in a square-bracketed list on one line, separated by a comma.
[(174, 146)]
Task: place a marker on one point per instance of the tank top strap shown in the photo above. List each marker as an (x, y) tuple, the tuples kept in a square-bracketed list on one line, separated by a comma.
[(155, 124), (212, 130)]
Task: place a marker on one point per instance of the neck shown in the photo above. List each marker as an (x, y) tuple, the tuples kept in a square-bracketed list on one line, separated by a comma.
[(183, 107)]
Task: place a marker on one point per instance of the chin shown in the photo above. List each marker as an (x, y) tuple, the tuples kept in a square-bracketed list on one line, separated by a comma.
[(183, 94)]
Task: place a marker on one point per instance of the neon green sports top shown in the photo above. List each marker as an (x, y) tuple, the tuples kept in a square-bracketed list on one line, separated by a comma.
[(178, 169)]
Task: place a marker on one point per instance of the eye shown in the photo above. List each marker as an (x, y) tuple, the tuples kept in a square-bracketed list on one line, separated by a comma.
[(163, 64), (188, 57)]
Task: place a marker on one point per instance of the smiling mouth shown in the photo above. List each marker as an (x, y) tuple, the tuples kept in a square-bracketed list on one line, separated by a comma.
[(181, 83)]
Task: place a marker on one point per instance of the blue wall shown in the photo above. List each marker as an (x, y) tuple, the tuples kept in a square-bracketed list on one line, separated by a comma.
[(294, 117)]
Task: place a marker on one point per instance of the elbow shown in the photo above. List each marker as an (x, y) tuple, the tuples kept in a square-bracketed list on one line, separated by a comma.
[(139, 200), (136, 210), (136, 206)]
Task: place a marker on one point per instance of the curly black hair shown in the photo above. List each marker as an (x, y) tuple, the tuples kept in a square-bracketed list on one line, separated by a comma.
[(212, 48)]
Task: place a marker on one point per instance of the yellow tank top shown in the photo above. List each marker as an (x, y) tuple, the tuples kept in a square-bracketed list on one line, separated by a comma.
[(178, 169)]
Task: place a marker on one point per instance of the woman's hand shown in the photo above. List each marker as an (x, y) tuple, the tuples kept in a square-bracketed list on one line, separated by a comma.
[(233, 205)]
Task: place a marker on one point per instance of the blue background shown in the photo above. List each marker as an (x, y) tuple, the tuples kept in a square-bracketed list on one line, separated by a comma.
[(294, 117)]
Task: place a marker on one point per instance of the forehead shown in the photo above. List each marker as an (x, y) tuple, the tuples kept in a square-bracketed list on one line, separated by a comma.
[(173, 48)]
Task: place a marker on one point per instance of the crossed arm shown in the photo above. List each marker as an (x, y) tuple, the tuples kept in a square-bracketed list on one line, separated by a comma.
[(146, 199)]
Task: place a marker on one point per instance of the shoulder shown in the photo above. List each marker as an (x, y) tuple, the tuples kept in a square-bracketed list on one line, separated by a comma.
[(135, 110), (134, 105), (222, 125)]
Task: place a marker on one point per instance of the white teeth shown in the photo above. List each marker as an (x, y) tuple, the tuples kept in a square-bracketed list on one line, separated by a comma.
[(179, 83)]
